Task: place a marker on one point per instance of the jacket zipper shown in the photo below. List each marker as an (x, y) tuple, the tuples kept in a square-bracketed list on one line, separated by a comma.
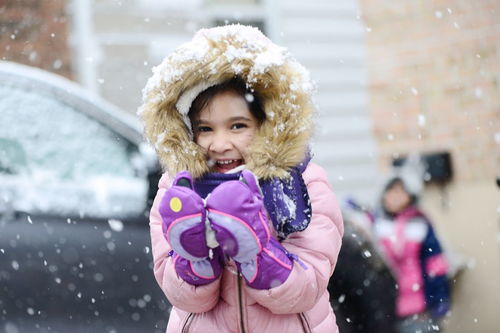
[(187, 322), (190, 317), (305, 323), (240, 305)]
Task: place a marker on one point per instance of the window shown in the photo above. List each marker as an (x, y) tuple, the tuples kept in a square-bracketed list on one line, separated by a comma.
[(57, 160), (44, 135)]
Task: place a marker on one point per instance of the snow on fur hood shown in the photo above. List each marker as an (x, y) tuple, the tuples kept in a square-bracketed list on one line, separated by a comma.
[(216, 55)]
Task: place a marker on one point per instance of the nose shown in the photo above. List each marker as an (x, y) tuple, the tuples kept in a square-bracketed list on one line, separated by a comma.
[(221, 142)]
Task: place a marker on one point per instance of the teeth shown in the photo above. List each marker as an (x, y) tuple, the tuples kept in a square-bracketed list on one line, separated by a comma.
[(226, 162)]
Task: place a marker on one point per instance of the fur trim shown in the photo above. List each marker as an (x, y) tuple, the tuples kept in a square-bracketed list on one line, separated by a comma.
[(217, 55)]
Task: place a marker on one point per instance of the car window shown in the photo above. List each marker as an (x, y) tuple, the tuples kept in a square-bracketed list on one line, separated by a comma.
[(12, 157), (48, 136), (55, 159)]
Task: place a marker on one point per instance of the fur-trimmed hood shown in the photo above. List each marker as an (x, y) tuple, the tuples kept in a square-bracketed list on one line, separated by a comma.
[(216, 55)]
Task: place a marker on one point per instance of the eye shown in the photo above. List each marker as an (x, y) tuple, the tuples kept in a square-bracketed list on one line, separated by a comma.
[(202, 129), (237, 126)]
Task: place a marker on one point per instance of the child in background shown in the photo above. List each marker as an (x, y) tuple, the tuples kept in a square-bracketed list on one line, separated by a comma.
[(407, 239), (245, 229)]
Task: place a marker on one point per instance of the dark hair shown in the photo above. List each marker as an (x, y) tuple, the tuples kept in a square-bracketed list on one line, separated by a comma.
[(236, 85), (393, 182)]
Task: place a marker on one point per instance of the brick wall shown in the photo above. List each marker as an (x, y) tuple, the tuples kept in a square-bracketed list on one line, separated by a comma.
[(434, 80), (35, 33)]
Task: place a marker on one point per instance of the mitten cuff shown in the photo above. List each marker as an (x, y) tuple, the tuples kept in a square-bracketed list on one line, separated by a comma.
[(269, 269), (199, 272)]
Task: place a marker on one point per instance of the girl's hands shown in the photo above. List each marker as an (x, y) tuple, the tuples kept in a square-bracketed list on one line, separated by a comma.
[(183, 213), (238, 216)]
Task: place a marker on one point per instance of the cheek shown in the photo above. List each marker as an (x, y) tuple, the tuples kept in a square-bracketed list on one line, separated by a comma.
[(406, 200), (203, 142), (387, 202), (244, 141)]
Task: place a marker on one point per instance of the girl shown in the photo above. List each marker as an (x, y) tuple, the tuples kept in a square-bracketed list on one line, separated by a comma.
[(245, 230), (413, 252)]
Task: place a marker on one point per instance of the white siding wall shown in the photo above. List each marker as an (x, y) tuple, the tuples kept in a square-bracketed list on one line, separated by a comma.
[(327, 37), (118, 42)]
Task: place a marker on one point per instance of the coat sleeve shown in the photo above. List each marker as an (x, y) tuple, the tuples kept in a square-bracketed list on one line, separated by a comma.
[(435, 266), (182, 295), (317, 247)]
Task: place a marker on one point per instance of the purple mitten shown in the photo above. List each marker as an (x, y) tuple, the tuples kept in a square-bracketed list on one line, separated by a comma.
[(238, 216), (183, 213), (199, 272)]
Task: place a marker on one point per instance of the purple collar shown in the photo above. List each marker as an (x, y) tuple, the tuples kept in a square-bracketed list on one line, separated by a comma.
[(204, 185), (286, 200)]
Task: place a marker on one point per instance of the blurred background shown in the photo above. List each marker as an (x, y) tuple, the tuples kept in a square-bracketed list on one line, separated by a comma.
[(394, 78)]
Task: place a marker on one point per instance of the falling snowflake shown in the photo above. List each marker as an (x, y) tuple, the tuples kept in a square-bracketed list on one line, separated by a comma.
[(116, 225)]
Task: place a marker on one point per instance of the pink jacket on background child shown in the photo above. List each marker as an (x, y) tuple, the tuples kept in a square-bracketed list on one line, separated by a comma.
[(301, 304), (413, 254)]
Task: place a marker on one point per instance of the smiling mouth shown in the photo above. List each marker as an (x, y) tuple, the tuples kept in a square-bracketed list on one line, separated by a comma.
[(226, 165)]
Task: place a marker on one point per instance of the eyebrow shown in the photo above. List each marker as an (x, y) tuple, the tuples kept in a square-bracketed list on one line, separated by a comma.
[(232, 119)]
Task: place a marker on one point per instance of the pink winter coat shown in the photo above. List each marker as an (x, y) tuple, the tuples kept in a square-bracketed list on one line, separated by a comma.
[(301, 304)]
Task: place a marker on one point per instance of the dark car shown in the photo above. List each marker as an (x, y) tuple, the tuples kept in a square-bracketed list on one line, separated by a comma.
[(76, 182)]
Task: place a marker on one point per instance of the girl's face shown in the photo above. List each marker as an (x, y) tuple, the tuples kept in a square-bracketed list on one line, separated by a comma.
[(224, 128), (396, 198)]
